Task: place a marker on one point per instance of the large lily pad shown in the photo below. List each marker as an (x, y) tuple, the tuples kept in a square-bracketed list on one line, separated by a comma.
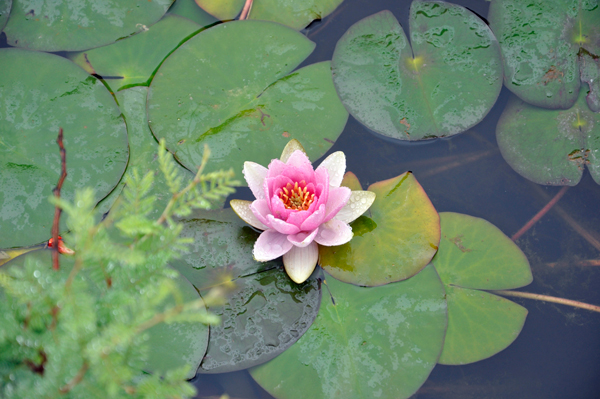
[(265, 312), (73, 25), (365, 343), (296, 14), (4, 12), (36, 102), (541, 41), (475, 255), (447, 84), (394, 240), (550, 146), (229, 90), (133, 60)]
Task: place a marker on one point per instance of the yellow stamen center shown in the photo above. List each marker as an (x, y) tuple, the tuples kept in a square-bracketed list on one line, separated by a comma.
[(296, 197)]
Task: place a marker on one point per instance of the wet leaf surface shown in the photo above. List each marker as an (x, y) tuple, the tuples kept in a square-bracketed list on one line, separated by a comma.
[(226, 89), (365, 343), (445, 85), (551, 147), (265, 312), (35, 104), (5, 6), (73, 25), (393, 240), (133, 60), (475, 255), (540, 42)]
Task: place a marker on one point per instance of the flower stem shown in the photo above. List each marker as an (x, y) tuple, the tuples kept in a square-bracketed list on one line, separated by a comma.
[(547, 298), (246, 10)]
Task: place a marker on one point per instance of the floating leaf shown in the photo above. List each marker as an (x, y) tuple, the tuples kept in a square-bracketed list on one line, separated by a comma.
[(177, 344), (4, 12), (550, 146), (393, 241), (540, 42), (351, 181), (133, 60), (365, 343), (475, 255), (222, 9), (36, 102), (265, 312), (589, 68), (226, 89), (190, 10), (449, 85), (74, 25)]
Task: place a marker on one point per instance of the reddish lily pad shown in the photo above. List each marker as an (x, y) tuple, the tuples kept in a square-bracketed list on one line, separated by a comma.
[(394, 240)]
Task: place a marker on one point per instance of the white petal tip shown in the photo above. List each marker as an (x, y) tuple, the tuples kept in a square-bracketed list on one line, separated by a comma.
[(299, 262)]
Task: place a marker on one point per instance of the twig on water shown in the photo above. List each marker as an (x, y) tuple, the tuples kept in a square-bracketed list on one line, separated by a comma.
[(540, 214), (547, 298), (461, 162), (585, 262), (246, 10), (56, 192)]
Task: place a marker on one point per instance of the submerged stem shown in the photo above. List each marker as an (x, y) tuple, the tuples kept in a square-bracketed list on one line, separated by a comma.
[(540, 214), (547, 298)]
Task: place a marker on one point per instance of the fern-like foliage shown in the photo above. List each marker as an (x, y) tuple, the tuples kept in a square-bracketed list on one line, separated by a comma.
[(81, 331)]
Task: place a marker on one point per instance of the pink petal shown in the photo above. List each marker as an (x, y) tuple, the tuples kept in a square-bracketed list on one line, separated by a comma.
[(334, 232), (242, 209), (300, 160), (260, 209), (303, 238), (278, 209), (336, 166), (298, 217), (299, 262), (314, 220), (281, 226), (275, 168), (270, 245), (255, 175), (338, 197)]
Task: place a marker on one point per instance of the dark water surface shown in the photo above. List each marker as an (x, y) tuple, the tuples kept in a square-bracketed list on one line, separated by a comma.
[(557, 355)]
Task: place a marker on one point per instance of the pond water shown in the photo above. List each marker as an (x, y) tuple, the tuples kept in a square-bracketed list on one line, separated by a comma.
[(557, 354)]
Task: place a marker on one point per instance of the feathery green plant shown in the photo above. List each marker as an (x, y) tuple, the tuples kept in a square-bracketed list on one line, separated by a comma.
[(81, 331)]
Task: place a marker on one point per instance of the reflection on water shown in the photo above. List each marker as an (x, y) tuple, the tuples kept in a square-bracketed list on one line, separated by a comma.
[(557, 355)]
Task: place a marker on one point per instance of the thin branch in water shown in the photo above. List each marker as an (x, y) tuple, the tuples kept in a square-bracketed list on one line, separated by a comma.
[(56, 192), (540, 214), (246, 10), (460, 162), (585, 262), (547, 298)]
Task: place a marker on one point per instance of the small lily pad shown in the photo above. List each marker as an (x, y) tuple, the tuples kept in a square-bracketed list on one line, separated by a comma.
[(394, 240), (541, 43), (365, 343), (265, 312), (446, 84), (226, 89), (222, 9), (475, 255), (36, 102), (550, 147), (190, 10), (4, 12), (133, 60), (351, 181), (74, 25)]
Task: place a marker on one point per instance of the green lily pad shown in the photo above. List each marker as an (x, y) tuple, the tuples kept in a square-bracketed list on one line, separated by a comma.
[(365, 343), (541, 42), (589, 68), (394, 240), (4, 12), (550, 146), (475, 255), (190, 10), (447, 84), (74, 25), (351, 181), (36, 103), (226, 89), (222, 9), (133, 60), (265, 312), (178, 344)]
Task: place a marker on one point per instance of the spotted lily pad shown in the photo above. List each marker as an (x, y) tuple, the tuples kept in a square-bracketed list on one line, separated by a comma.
[(543, 42), (229, 90), (36, 102), (394, 240), (551, 146), (73, 25), (4, 12), (265, 312), (365, 343), (445, 85), (133, 60), (475, 255)]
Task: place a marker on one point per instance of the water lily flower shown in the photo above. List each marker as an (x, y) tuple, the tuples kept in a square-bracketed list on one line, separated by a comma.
[(300, 208)]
